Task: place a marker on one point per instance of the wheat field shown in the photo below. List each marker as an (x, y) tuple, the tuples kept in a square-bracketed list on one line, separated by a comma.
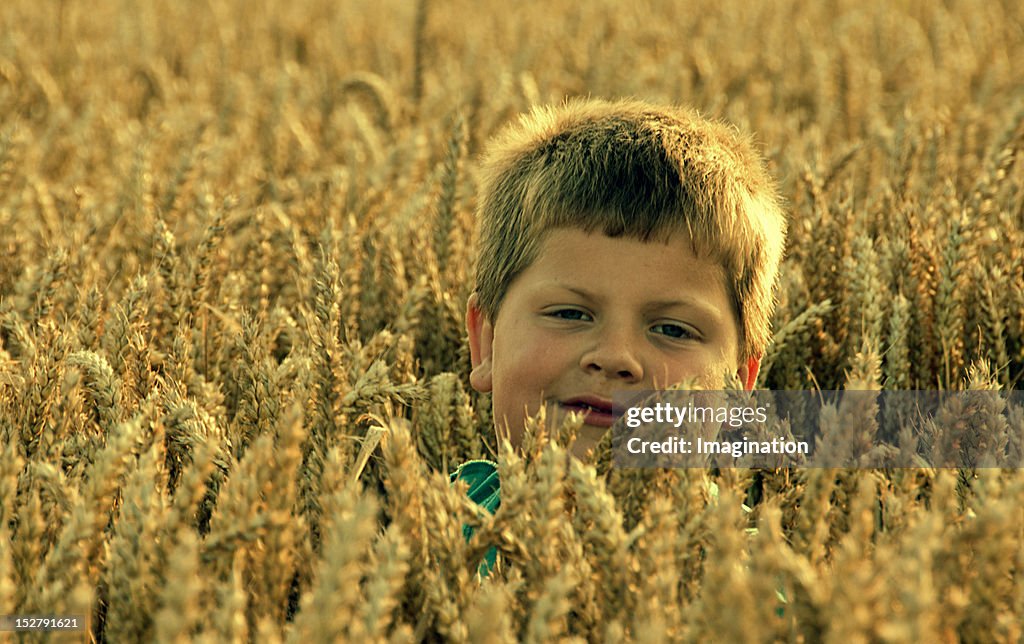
[(237, 241)]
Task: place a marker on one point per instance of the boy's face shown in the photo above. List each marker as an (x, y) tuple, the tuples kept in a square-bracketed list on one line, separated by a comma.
[(595, 315)]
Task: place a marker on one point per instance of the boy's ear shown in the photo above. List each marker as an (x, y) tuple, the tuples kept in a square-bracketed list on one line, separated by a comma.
[(481, 345), (748, 372)]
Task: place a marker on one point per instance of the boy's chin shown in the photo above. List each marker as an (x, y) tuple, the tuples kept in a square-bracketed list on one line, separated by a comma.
[(587, 439)]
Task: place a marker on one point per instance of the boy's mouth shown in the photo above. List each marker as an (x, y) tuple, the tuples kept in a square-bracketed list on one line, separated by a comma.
[(596, 411)]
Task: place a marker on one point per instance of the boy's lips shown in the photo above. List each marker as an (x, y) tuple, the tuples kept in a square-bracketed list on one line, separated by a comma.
[(596, 410)]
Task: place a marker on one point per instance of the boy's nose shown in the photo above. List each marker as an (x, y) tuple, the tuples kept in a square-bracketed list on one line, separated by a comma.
[(614, 355)]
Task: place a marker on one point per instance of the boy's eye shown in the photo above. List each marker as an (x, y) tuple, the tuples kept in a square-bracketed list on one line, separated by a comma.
[(569, 314), (674, 331)]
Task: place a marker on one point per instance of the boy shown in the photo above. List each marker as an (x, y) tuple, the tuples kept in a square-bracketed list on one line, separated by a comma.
[(623, 246)]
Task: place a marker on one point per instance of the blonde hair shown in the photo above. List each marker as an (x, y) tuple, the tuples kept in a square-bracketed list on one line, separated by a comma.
[(632, 169)]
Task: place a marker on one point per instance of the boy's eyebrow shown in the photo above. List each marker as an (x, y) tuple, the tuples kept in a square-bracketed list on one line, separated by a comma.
[(658, 305), (702, 308), (579, 291)]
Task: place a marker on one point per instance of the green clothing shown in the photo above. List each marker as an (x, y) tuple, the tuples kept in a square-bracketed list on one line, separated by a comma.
[(484, 490)]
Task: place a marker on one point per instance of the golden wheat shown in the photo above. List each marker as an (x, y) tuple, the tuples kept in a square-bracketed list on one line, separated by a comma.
[(237, 245)]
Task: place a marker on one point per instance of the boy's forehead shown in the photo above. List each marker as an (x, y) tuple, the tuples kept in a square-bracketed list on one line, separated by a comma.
[(665, 269), (625, 243), (576, 251)]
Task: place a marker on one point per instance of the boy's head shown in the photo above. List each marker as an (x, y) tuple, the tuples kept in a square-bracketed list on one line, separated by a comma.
[(622, 246)]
